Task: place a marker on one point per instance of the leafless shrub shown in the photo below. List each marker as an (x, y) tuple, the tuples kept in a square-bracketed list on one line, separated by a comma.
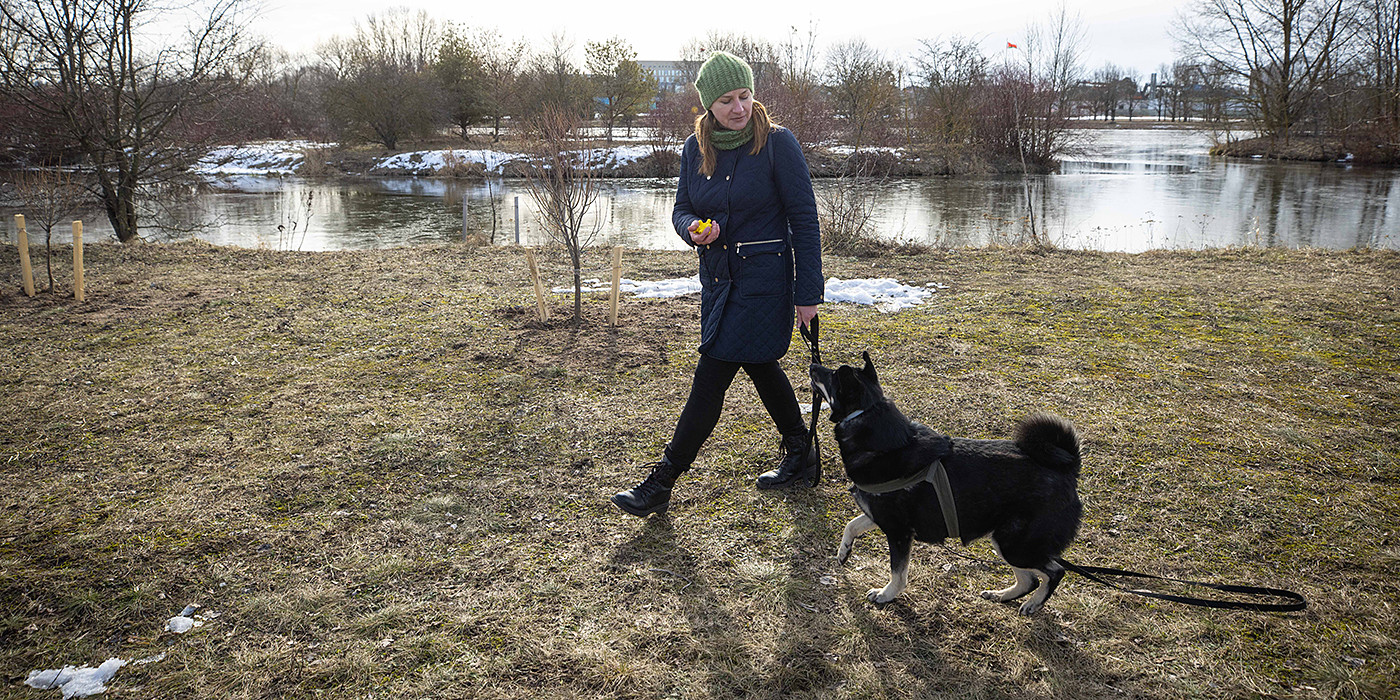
[(314, 163), (456, 166), (846, 206), (673, 120), (296, 222), (953, 73)]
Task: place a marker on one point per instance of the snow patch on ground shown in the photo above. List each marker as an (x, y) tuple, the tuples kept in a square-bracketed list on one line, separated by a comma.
[(886, 294), (285, 157), (181, 624), (76, 682), (82, 681), (662, 289), (265, 158), (842, 150), (433, 162), (622, 155)]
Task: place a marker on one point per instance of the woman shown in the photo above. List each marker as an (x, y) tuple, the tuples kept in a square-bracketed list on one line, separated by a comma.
[(745, 204)]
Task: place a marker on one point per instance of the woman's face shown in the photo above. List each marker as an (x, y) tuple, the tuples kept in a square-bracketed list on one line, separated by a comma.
[(733, 109)]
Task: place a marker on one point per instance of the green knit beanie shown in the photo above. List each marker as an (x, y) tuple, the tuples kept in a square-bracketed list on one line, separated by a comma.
[(721, 73)]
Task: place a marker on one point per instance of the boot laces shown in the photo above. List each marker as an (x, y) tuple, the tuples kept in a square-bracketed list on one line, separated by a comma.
[(656, 480), (792, 445), (792, 453)]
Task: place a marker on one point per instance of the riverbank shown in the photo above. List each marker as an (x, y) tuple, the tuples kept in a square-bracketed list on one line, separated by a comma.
[(1313, 148), (377, 473), (624, 157), (474, 161)]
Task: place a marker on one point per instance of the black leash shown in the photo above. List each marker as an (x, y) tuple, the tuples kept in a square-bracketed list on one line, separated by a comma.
[(1299, 602)]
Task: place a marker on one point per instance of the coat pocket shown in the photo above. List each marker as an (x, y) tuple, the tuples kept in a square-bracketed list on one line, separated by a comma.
[(765, 268)]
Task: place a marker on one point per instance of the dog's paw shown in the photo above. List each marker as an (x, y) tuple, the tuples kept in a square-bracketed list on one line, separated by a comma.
[(877, 596), (843, 553), (994, 596), (1031, 607)]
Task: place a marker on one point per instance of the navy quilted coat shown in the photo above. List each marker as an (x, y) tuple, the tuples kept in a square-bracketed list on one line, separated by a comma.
[(768, 221)]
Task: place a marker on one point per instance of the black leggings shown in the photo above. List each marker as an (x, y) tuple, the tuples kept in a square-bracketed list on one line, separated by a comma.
[(702, 409)]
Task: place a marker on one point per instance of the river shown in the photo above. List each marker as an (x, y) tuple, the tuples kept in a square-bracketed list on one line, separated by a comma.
[(1141, 189)]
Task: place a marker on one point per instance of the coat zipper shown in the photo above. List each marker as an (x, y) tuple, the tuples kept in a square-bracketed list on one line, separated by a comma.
[(739, 247)]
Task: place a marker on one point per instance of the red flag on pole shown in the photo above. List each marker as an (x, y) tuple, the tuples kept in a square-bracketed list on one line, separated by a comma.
[(1010, 45)]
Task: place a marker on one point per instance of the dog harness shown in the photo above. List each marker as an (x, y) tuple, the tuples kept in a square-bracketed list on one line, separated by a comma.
[(934, 474)]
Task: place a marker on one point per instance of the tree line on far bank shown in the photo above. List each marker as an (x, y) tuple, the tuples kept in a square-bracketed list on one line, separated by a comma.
[(84, 84)]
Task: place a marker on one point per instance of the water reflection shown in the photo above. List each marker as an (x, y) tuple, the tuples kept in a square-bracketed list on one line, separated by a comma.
[(1141, 189)]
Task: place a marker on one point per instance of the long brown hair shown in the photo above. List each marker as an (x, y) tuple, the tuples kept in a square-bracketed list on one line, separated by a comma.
[(706, 123)]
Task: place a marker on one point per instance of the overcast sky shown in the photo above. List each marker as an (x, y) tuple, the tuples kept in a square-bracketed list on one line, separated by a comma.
[(1130, 33)]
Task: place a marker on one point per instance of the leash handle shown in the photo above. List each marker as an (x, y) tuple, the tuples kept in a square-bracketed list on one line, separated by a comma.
[(810, 334), (1299, 601)]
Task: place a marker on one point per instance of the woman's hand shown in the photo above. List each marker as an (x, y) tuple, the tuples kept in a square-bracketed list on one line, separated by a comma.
[(805, 314), (710, 235)]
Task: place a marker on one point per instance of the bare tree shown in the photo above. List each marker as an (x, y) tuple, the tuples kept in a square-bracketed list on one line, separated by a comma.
[(1380, 27), (862, 84), (1038, 88), (563, 182), (1108, 81), (1163, 89), (953, 73), (797, 97), (128, 98), (501, 66), (1215, 94), (624, 87), (461, 79), (1051, 60), (48, 197), (382, 89), (1280, 49), (555, 84), (282, 99), (1131, 81)]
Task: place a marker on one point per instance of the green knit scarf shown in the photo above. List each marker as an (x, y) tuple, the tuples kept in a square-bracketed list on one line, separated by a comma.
[(726, 140)]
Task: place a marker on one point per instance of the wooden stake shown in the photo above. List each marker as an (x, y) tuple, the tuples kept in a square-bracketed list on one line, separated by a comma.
[(78, 261), (539, 284), (26, 270), (617, 281)]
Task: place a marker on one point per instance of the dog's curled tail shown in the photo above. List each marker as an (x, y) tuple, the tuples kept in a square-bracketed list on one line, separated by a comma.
[(1050, 440)]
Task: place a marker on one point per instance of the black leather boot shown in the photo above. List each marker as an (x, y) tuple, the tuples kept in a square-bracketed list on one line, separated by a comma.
[(653, 495), (799, 465)]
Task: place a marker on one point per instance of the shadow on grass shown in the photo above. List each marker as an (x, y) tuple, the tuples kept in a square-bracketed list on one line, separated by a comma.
[(719, 658), (1069, 670), (806, 659)]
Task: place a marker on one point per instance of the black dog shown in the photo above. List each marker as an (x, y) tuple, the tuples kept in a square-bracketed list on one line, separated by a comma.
[(1019, 492)]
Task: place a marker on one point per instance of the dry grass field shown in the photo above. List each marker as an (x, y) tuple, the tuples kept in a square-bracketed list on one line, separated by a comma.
[(381, 477)]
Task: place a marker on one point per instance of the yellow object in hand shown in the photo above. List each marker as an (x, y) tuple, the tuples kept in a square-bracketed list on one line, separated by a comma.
[(704, 225)]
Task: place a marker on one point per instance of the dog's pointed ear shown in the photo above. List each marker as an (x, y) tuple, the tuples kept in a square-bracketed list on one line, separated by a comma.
[(869, 369)]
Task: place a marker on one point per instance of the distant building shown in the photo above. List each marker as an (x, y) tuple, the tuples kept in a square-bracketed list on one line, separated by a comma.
[(670, 77)]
